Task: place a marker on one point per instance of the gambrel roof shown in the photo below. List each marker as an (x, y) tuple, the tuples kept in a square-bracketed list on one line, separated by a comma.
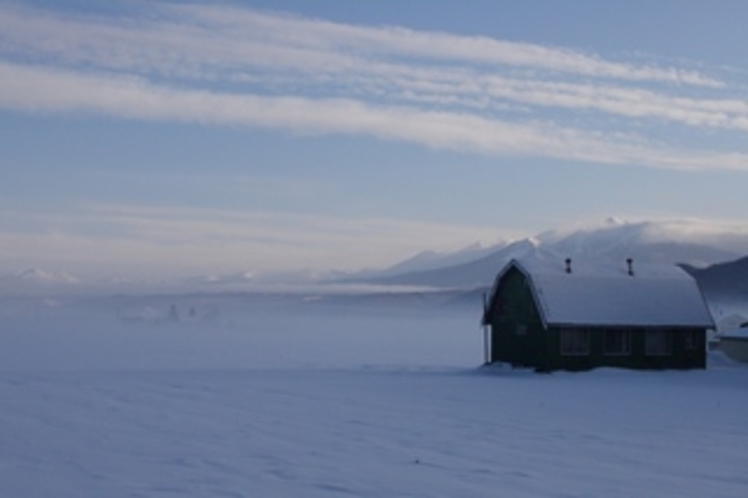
[(608, 295)]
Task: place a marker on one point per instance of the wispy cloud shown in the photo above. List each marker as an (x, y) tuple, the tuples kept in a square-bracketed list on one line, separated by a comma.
[(43, 90), (241, 67), (173, 37)]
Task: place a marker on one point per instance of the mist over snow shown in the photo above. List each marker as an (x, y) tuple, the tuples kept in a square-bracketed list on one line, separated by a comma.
[(314, 395)]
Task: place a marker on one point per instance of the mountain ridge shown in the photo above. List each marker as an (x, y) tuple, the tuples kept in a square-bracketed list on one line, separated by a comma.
[(693, 245), (615, 240)]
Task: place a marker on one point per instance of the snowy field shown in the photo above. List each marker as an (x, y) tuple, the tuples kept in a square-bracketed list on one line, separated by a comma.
[(286, 398)]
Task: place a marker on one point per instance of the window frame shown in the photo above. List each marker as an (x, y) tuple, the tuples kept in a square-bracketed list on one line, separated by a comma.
[(574, 342), (650, 350), (624, 341), (691, 339)]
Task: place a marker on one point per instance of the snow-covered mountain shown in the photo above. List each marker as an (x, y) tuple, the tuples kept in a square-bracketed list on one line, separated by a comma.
[(430, 260), (695, 243), (40, 276), (667, 242), (730, 278), (38, 281), (234, 278)]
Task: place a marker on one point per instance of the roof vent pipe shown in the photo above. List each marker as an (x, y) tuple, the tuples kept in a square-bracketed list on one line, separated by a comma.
[(630, 263), (568, 265)]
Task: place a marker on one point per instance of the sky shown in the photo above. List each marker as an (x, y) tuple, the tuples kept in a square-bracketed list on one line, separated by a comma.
[(190, 138)]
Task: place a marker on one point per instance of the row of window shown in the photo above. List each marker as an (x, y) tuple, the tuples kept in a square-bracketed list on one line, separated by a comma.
[(617, 342)]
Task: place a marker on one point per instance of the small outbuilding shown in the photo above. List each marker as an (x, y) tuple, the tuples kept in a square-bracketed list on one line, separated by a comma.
[(561, 315), (735, 344)]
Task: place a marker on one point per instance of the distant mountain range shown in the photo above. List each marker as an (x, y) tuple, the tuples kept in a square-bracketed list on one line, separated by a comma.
[(693, 245), (430, 260), (683, 242), (722, 279), (39, 276)]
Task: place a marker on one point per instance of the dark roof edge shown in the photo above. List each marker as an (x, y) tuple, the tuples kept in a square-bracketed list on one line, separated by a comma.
[(632, 326)]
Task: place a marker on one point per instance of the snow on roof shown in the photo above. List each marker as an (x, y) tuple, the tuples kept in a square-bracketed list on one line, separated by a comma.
[(606, 294)]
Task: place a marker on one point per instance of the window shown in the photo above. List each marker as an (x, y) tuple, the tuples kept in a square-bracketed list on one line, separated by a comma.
[(658, 343), (617, 342), (691, 339), (575, 342)]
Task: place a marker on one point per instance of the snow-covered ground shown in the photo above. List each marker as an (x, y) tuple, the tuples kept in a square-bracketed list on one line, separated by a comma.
[(276, 397)]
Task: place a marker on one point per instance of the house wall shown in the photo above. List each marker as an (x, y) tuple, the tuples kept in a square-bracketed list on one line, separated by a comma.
[(517, 334), (680, 356)]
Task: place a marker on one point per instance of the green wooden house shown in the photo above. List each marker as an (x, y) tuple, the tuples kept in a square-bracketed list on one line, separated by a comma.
[(552, 315)]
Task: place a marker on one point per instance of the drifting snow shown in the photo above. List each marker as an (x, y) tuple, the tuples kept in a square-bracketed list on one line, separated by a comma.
[(290, 397)]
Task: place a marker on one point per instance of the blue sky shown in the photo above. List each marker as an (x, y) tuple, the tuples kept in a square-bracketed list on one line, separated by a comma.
[(182, 138)]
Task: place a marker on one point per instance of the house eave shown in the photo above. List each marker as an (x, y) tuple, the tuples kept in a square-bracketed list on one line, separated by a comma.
[(621, 325)]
